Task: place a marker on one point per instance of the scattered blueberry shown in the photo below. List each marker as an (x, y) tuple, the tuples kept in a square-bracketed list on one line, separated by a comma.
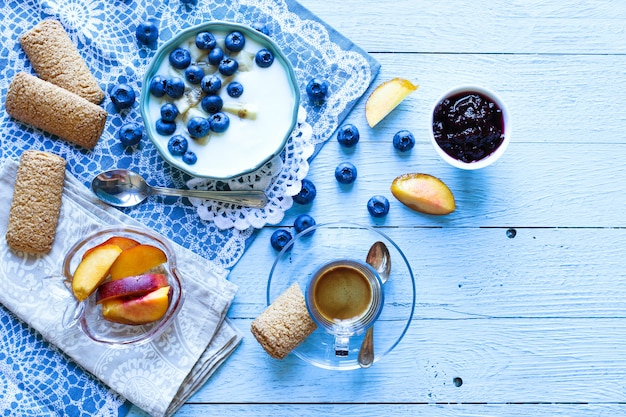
[(403, 140), (165, 128), (280, 238), (211, 104), (264, 58), (234, 89), (122, 96), (216, 55), (157, 86), (348, 135), (198, 127), (219, 122), (307, 192), (211, 84), (205, 41), (147, 33), (261, 27), (228, 66), (180, 58), (317, 89), (130, 134), (177, 145), (175, 87), (194, 74), (345, 173), (169, 112), (303, 222), (234, 41), (378, 206), (190, 158)]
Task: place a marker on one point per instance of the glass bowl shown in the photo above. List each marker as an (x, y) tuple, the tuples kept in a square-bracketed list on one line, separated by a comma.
[(88, 314), (306, 252), (247, 144)]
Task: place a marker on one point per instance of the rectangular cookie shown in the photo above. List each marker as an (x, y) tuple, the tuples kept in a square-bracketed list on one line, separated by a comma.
[(56, 59), (284, 324), (55, 110), (36, 203)]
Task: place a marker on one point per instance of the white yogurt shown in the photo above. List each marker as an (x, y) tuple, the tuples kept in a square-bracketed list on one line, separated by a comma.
[(249, 141)]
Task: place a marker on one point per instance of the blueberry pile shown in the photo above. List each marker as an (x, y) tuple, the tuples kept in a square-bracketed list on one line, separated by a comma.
[(468, 126), (200, 84)]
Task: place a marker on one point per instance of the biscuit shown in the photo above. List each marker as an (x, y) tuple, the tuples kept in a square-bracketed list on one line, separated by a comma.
[(284, 324), (56, 59), (55, 110), (36, 203)]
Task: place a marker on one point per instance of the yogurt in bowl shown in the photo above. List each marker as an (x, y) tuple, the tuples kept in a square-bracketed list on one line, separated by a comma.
[(239, 101)]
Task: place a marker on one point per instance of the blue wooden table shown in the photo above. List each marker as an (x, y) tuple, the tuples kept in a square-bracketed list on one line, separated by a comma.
[(515, 324)]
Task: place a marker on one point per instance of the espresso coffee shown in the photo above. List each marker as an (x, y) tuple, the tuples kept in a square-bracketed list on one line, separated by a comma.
[(341, 293)]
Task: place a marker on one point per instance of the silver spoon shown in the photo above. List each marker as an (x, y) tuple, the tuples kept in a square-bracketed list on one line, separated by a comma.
[(378, 257), (125, 188)]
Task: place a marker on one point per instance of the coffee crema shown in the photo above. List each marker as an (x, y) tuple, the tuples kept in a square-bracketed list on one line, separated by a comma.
[(342, 293)]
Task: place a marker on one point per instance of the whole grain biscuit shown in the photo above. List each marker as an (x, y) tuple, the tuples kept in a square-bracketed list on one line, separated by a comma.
[(284, 324), (55, 110), (56, 59), (36, 203)]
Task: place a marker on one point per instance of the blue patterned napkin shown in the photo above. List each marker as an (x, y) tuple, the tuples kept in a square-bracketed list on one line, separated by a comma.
[(104, 33)]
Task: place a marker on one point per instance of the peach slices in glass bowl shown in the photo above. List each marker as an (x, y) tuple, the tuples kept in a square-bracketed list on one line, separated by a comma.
[(125, 283)]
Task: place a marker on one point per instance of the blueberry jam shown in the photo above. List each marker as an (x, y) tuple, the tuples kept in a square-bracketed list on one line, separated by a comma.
[(468, 126)]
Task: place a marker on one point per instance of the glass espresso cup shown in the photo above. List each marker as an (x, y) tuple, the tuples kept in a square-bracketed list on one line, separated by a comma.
[(344, 297)]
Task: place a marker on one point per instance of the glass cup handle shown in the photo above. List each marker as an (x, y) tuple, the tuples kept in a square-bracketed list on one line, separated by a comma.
[(341, 346)]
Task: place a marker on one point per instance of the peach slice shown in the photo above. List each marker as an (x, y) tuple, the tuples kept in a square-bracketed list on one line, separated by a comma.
[(130, 286), (385, 98), (121, 241), (93, 270), (137, 260), (423, 193), (139, 310)]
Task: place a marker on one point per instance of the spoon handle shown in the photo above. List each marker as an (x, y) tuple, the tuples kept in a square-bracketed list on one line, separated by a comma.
[(366, 354), (255, 199)]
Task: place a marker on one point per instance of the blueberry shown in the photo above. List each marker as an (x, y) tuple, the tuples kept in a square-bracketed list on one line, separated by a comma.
[(211, 104), (234, 41), (317, 89), (264, 58), (211, 84), (260, 27), (177, 145), (194, 74), (403, 140), (303, 222), (205, 41), (378, 206), (190, 158), (280, 238), (198, 127), (216, 55), (348, 135), (219, 122), (175, 87), (157, 86), (345, 173), (228, 66), (147, 33), (122, 96), (169, 112), (307, 192), (165, 128), (130, 134), (234, 89), (180, 58)]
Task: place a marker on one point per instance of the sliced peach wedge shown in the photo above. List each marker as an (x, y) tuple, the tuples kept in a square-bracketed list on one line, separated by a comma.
[(93, 270), (130, 286), (423, 193), (137, 260), (121, 241), (386, 97), (138, 310)]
